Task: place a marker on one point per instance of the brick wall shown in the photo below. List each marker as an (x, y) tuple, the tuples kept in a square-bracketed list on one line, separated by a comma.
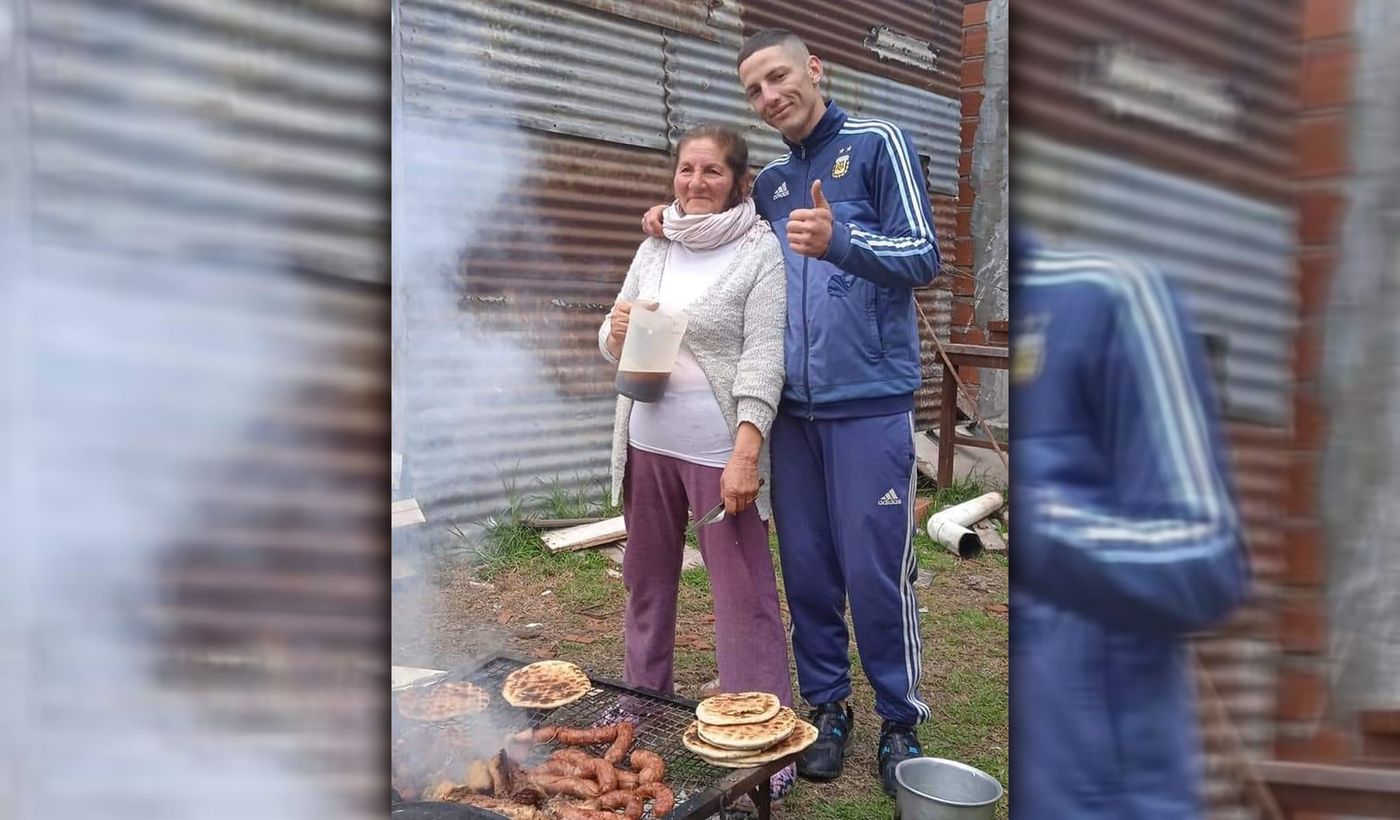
[(1324, 90), (964, 324)]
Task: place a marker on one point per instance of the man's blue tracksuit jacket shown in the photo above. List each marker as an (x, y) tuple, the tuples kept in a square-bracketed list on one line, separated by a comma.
[(1125, 538), (842, 445)]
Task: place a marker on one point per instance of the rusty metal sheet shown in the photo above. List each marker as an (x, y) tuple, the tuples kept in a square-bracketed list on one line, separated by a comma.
[(936, 301), (201, 269), (1242, 658), (506, 341), (1232, 255), (1198, 87), (934, 122), (551, 67), (702, 87), (502, 387), (711, 20), (267, 157), (915, 42)]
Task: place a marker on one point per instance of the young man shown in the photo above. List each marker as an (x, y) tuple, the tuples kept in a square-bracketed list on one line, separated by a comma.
[(1126, 538), (848, 202)]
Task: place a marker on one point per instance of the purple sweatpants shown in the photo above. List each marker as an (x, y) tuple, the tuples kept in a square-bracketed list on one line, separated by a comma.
[(750, 643)]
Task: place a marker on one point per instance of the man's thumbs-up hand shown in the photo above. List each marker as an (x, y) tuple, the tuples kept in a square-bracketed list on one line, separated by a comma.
[(809, 229)]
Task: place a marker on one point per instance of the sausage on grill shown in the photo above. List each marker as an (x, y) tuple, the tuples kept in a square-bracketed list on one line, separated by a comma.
[(577, 813), (593, 768), (661, 796), (617, 752), (576, 756), (649, 766), (570, 786)]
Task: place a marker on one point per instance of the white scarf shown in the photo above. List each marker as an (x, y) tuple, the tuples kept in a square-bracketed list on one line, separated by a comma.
[(704, 231)]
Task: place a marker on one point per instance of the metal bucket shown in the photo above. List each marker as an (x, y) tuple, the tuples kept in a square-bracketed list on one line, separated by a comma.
[(931, 788)]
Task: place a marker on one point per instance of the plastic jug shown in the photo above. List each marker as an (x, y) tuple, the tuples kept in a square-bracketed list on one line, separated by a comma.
[(649, 352)]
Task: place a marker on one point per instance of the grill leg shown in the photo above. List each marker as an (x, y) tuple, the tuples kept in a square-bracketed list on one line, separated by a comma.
[(763, 801)]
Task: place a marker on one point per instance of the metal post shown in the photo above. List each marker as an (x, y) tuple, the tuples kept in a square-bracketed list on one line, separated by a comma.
[(947, 421)]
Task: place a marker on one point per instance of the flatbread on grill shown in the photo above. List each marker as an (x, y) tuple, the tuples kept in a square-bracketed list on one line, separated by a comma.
[(803, 736), (691, 739), (751, 737), (738, 708), (545, 685), (442, 701)]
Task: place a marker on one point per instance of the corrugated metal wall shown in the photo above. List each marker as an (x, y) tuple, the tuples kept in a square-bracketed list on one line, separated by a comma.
[(206, 275), (1232, 255), (915, 42), (307, 196), (500, 369), (701, 87), (541, 64), (524, 196), (1197, 87), (1163, 129)]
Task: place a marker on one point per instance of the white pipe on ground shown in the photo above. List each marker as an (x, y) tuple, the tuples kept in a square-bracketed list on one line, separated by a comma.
[(950, 527)]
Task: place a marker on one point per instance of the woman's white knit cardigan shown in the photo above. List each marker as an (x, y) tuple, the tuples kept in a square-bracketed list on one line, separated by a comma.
[(735, 331)]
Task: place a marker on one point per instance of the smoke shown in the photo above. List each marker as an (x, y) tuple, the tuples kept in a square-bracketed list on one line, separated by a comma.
[(470, 331), (187, 628), (457, 388), (107, 613)]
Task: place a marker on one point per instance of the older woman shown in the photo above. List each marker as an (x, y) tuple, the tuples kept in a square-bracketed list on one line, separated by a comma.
[(703, 441)]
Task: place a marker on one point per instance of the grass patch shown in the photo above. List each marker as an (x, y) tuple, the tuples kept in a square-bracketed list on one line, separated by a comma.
[(583, 500), (970, 714), (588, 580), (978, 622), (962, 488), (850, 808), (696, 579), (508, 544), (932, 555)]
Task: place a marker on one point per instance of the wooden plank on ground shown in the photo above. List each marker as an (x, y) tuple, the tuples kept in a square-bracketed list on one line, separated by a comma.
[(400, 676), (585, 536), (559, 523), (405, 513)]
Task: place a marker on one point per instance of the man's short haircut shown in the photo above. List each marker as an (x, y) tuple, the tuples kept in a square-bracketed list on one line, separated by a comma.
[(770, 37)]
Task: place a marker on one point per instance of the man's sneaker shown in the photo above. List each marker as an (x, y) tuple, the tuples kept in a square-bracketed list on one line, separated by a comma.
[(825, 758), (898, 741)]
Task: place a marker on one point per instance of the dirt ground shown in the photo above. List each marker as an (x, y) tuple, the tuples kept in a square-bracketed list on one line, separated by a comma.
[(457, 611)]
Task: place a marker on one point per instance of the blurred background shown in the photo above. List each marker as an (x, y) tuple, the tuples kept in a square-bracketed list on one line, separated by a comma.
[(193, 541), (196, 439), (1248, 148)]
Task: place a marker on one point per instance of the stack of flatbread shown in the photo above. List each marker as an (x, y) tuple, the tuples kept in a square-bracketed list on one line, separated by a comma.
[(746, 729)]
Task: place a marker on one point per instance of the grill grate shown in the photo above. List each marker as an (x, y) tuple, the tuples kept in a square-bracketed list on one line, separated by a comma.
[(700, 788)]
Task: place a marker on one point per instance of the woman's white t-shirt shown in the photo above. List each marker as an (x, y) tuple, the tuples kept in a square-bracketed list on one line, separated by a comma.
[(686, 423)]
